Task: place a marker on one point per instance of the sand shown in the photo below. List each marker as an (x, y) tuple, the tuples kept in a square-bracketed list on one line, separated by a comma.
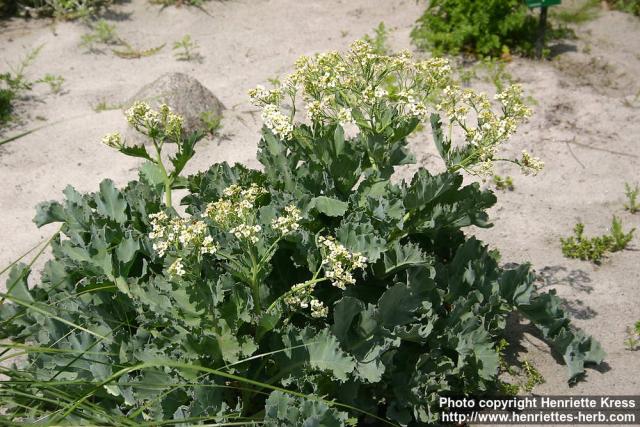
[(585, 127)]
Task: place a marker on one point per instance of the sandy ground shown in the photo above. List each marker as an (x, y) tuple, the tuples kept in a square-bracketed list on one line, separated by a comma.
[(585, 127)]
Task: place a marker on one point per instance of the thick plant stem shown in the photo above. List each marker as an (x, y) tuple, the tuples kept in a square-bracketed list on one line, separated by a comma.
[(168, 182)]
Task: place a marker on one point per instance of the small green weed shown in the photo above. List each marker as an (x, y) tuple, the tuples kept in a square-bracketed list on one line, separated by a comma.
[(105, 35), (594, 248), (104, 106), (503, 183), (534, 377), (632, 342), (380, 39), (632, 204), (628, 6), (579, 14), (527, 375), (14, 83), (102, 33), (212, 122), (186, 49), (178, 3), (129, 52), (59, 9), (55, 82)]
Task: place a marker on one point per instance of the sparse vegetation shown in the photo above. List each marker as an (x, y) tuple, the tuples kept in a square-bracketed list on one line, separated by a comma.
[(503, 183), (15, 84), (54, 82), (102, 33), (105, 106), (632, 204), (632, 341), (380, 39), (580, 13), (212, 123), (130, 52), (105, 35), (59, 9), (595, 248), (524, 377), (186, 49), (628, 6)]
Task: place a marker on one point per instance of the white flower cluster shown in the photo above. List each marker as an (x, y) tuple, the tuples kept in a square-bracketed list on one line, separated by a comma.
[(339, 263), (143, 118), (247, 232), (260, 96), (318, 309), (180, 234), (333, 85), (530, 165), (287, 223), (177, 268), (492, 129), (113, 140), (235, 211), (235, 207), (300, 297), (277, 122)]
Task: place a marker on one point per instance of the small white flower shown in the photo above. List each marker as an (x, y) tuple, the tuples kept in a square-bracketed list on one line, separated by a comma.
[(177, 268), (113, 140), (318, 309)]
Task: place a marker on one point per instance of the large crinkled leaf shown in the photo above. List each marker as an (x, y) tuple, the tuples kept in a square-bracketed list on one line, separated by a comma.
[(359, 333), (328, 206), (283, 410), (110, 202), (17, 283), (426, 188), (400, 257), (577, 349), (358, 235)]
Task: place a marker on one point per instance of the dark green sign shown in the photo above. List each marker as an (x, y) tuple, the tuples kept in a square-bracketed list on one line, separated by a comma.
[(542, 3)]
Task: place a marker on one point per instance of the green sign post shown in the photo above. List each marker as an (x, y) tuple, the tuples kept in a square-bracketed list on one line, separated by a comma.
[(543, 5)]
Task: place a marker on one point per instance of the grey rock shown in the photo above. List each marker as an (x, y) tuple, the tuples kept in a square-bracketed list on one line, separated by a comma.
[(184, 94)]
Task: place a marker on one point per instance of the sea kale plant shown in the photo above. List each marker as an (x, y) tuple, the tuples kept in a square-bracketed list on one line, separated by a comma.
[(320, 290)]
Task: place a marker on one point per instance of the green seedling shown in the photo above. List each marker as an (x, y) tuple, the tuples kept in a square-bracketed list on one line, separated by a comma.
[(595, 248), (632, 198), (55, 82), (103, 34), (380, 39), (632, 342), (129, 52), (186, 49), (212, 122), (505, 183), (104, 106)]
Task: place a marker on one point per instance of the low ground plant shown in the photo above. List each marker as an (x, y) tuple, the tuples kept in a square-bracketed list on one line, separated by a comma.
[(379, 41), (577, 14), (628, 6), (632, 204), (105, 36), (60, 9), (186, 49), (15, 84), (212, 123), (503, 183), (595, 248), (632, 341), (315, 291), (480, 28)]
